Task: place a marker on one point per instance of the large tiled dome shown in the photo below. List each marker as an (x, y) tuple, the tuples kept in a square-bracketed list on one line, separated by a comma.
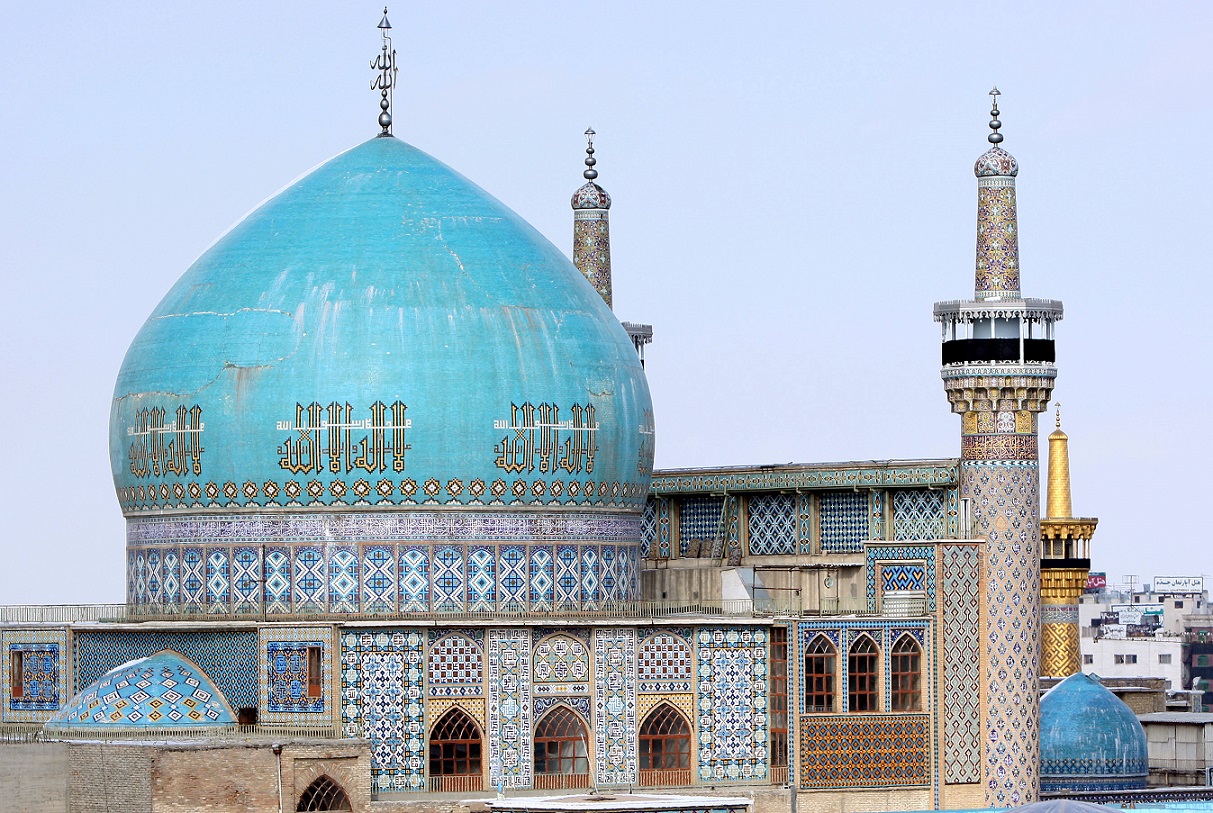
[(380, 353)]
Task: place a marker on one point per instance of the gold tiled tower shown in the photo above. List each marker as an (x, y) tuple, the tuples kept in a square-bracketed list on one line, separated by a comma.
[(1065, 561), (998, 370)]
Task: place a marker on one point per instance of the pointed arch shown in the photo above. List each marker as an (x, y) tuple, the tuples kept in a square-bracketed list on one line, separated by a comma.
[(863, 674), (324, 794), (820, 676), (562, 749), (456, 745), (905, 674), (665, 747)]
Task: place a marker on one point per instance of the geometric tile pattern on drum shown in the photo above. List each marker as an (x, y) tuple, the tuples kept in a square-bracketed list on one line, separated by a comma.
[(919, 513), (44, 673), (732, 703), (665, 661), (615, 706), (456, 665), (960, 594), (284, 676), (509, 734), (1006, 511), (864, 751), (382, 695), (698, 524), (844, 521), (230, 659), (772, 523)]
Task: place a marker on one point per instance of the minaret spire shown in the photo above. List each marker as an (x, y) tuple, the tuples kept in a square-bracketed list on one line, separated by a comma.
[(997, 220), (385, 82), (592, 227)]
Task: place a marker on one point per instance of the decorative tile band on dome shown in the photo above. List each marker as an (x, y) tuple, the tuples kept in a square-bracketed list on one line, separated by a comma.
[(165, 690)]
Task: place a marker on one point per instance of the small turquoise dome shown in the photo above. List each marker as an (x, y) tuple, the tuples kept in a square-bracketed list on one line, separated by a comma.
[(1089, 739), (165, 690)]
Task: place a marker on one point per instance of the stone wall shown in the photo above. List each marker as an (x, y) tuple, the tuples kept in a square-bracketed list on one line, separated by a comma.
[(33, 777)]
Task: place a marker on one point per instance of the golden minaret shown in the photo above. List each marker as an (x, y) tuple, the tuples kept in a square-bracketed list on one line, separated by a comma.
[(1065, 561)]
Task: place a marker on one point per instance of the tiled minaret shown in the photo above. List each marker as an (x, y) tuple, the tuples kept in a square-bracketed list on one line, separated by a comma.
[(592, 227), (1065, 562), (998, 370)]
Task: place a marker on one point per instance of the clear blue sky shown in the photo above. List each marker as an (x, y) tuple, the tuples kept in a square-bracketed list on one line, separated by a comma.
[(793, 190)]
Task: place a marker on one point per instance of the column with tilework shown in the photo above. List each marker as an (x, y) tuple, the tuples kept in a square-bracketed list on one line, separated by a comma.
[(998, 370), (592, 227)]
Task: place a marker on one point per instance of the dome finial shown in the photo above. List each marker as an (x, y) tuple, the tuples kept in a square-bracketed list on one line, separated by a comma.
[(590, 173), (995, 137), (385, 63), (1057, 404)]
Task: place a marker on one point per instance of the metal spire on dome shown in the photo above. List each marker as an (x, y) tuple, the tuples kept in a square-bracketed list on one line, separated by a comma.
[(590, 173), (995, 137), (385, 63), (1057, 405)]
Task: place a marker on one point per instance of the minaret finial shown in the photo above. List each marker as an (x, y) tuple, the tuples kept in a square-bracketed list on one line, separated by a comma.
[(590, 173), (385, 63), (995, 137), (1057, 404)]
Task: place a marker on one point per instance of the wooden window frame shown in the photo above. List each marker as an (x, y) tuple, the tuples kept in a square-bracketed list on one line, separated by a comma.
[(443, 737), (821, 676), (863, 676), (777, 694), (16, 673), (906, 675), (315, 671), (568, 746)]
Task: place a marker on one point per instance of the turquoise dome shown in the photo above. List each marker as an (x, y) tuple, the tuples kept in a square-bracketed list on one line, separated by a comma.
[(165, 690), (380, 353), (1089, 739)]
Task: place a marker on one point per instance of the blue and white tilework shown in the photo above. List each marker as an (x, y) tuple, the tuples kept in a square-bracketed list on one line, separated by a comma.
[(456, 663), (45, 673), (382, 696), (665, 662), (732, 703), (343, 579), (379, 579), (283, 679), (960, 598), (844, 521), (230, 659), (881, 555), (509, 680), (615, 706), (771, 521), (919, 513), (699, 523), (561, 666)]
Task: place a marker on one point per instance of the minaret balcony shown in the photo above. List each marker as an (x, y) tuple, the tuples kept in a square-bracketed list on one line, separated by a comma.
[(996, 351)]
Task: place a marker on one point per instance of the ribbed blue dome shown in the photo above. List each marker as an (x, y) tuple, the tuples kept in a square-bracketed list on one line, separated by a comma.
[(381, 324), (165, 690), (1089, 739)]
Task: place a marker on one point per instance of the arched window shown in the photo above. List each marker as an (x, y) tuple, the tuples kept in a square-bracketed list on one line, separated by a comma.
[(562, 747), (906, 675), (863, 693), (665, 748), (819, 671), (324, 794), (455, 745)]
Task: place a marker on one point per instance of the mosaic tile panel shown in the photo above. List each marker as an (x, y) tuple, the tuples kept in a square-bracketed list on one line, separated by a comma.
[(731, 538), (842, 476), (614, 718), (277, 581), (919, 513), (804, 522), (648, 530), (864, 751), (311, 580), (879, 556), (698, 524), (456, 663), (482, 578), (247, 572), (284, 676), (343, 579), (379, 579), (513, 582), (44, 673), (1006, 510), (685, 703), (771, 523), (230, 659), (903, 577), (435, 707), (566, 577), (876, 503), (448, 583), (543, 585), (664, 663), (218, 580), (732, 703), (561, 666), (610, 581), (193, 573), (960, 595), (510, 732), (414, 579), (383, 699), (591, 578), (664, 548), (581, 705), (844, 521)]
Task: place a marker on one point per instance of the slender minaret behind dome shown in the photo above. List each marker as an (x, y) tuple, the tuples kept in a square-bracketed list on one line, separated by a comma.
[(998, 371), (592, 227), (1065, 563)]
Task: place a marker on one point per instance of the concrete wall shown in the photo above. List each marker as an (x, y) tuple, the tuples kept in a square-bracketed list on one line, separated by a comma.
[(1103, 652), (33, 777)]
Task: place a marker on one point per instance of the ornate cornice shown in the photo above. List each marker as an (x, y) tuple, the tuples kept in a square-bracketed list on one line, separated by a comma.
[(776, 478)]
